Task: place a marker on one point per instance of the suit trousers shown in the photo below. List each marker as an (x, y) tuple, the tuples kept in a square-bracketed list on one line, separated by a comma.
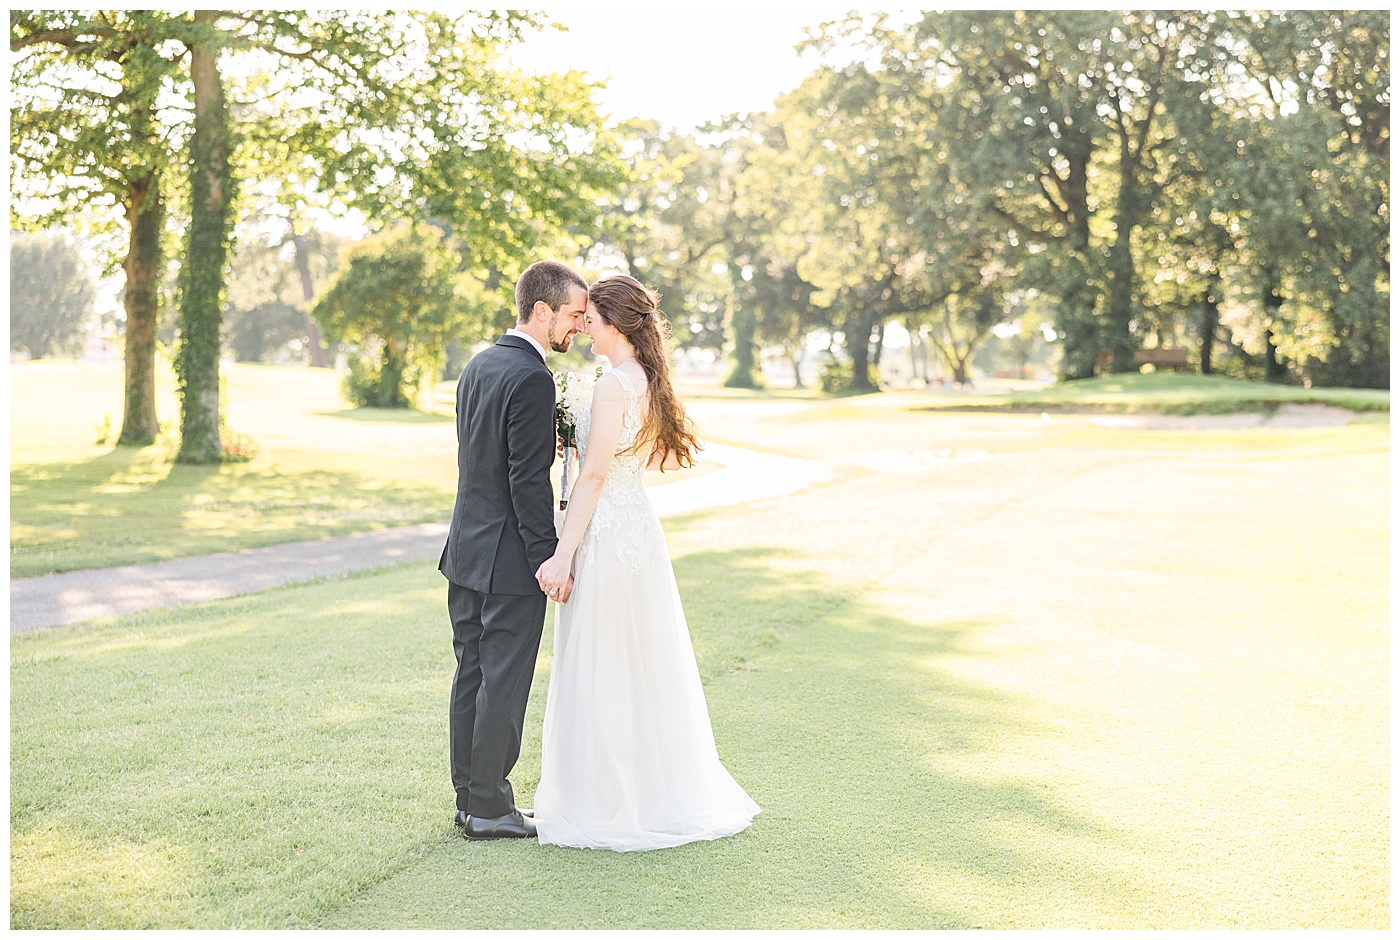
[(496, 638)]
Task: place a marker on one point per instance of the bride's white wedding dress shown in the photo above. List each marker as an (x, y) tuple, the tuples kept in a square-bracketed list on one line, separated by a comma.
[(629, 760)]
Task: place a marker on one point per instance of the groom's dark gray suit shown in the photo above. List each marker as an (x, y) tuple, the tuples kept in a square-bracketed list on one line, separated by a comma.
[(502, 531)]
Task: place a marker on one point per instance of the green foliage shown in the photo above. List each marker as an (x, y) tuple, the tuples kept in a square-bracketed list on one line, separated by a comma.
[(1129, 165), (400, 298), (368, 384), (418, 115), (97, 76), (268, 316), (669, 220), (1314, 181), (51, 296), (260, 333)]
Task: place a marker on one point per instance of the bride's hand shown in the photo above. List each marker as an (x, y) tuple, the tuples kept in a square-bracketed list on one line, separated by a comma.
[(554, 576)]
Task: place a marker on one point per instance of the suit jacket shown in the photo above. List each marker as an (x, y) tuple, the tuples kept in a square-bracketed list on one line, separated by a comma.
[(503, 521)]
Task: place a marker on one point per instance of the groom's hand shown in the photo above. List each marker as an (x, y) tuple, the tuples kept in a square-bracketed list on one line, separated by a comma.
[(565, 591)]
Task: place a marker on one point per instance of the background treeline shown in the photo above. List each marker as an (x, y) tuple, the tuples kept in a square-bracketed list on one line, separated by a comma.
[(1075, 187), (1127, 179)]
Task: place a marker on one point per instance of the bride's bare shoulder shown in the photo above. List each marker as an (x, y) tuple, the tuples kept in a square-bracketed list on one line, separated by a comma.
[(637, 375)]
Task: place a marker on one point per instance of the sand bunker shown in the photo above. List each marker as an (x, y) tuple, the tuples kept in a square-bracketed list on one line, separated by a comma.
[(1287, 416)]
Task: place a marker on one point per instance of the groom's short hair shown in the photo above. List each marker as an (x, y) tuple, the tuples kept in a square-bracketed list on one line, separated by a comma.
[(549, 281)]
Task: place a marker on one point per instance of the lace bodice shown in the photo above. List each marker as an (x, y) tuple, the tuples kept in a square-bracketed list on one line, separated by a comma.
[(623, 515), (626, 469)]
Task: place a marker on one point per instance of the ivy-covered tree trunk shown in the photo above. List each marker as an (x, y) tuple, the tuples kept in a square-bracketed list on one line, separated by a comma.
[(145, 216), (206, 255)]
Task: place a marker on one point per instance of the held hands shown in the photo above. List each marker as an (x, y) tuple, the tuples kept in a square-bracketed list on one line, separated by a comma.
[(555, 578)]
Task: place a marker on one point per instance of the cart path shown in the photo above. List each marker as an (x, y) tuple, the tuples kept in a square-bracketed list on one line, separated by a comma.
[(57, 599)]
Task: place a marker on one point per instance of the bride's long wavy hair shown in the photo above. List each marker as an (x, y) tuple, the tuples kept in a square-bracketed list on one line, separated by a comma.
[(630, 308)]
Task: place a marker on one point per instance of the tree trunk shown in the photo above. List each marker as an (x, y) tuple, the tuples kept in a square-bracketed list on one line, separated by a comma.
[(1122, 275), (1273, 367), (308, 293), (392, 393), (743, 331), (796, 356), (859, 327), (206, 254), (1076, 318), (1078, 292), (1210, 323), (145, 216)]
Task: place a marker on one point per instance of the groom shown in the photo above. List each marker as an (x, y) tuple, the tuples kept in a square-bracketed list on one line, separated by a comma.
[(502, 531)]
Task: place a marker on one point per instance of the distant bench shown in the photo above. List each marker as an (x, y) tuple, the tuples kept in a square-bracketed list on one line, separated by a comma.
[(1160, 358)]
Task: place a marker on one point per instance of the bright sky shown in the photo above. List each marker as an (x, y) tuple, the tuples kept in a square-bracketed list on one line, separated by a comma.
[(683, 64)]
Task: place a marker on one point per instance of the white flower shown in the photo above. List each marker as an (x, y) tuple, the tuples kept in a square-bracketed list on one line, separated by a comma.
[(575, 396)]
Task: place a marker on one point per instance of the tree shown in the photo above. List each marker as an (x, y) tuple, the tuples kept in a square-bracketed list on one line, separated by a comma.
[(267, 310), (668, 223), (1321, 234), (256, 334), (401, 115), (51, 296), (1056, 119), (399, 296), (89, 141)]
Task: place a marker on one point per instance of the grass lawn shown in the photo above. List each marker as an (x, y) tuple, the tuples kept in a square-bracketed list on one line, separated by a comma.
[(1005, 672), (1163, 392), (322, 468)]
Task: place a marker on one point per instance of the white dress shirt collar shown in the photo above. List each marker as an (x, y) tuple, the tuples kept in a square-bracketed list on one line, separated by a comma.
[(533, 342)]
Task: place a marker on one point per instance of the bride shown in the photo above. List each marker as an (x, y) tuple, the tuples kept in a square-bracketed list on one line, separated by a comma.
[(629, 760)]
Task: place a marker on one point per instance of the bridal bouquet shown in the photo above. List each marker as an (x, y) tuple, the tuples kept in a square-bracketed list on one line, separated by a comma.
[(574, 394)]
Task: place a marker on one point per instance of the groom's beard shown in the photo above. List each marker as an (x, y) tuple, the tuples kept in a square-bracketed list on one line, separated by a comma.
[(559, 345)]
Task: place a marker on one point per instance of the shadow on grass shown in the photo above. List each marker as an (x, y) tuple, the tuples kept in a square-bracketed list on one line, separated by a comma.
[(839, 720), (132, 506)]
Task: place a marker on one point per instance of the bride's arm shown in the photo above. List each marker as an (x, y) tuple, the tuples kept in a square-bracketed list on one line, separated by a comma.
[(604, 433)]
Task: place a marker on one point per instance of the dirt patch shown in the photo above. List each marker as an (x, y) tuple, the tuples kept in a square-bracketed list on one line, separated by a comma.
[(1287, 415)]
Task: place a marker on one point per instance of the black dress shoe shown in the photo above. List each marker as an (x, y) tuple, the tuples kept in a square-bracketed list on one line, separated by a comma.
[(462, 816), (510, 826)]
